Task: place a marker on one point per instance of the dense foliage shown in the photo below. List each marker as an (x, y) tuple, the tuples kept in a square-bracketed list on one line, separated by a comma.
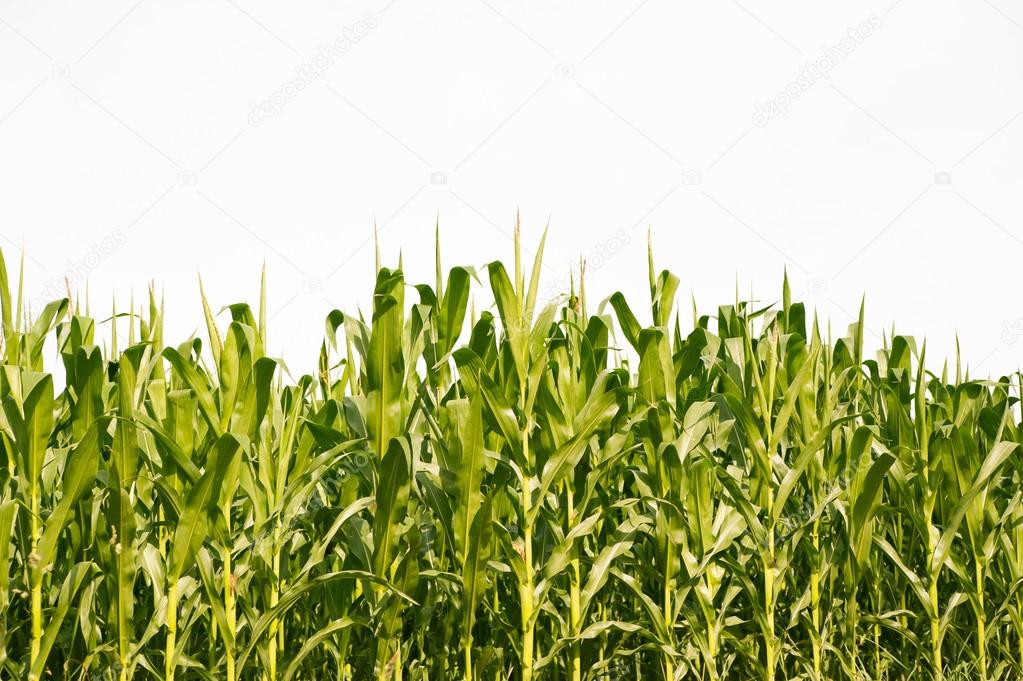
[(522, 493)]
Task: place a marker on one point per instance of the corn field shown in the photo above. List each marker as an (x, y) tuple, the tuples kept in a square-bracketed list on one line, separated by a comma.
[(530, 492)]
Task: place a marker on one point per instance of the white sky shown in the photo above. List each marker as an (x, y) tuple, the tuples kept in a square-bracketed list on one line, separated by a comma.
[(896, 176)]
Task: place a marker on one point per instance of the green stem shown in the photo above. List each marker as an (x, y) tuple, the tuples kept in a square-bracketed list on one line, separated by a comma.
[(229, 608), (574, 599), (877, 651), (275, 594), (932, 592), (815, 602), (526, 588), (526, 595), (36, 572), (669, 590), (1020, 644), (769, 610), (936, 650), (852, 618), (172, 630), (768, 562), (710, 616), (497, 608), (981, 635), (211, 654)]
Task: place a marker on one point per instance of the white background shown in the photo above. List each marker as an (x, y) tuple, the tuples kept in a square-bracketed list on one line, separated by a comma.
[(898, 176)]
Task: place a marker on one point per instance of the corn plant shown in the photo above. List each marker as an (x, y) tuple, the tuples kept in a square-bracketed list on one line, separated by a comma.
[(523, 490)]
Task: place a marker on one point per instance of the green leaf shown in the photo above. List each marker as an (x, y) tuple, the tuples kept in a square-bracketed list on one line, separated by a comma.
[(79, 473), (193, 525), (391, 500)]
